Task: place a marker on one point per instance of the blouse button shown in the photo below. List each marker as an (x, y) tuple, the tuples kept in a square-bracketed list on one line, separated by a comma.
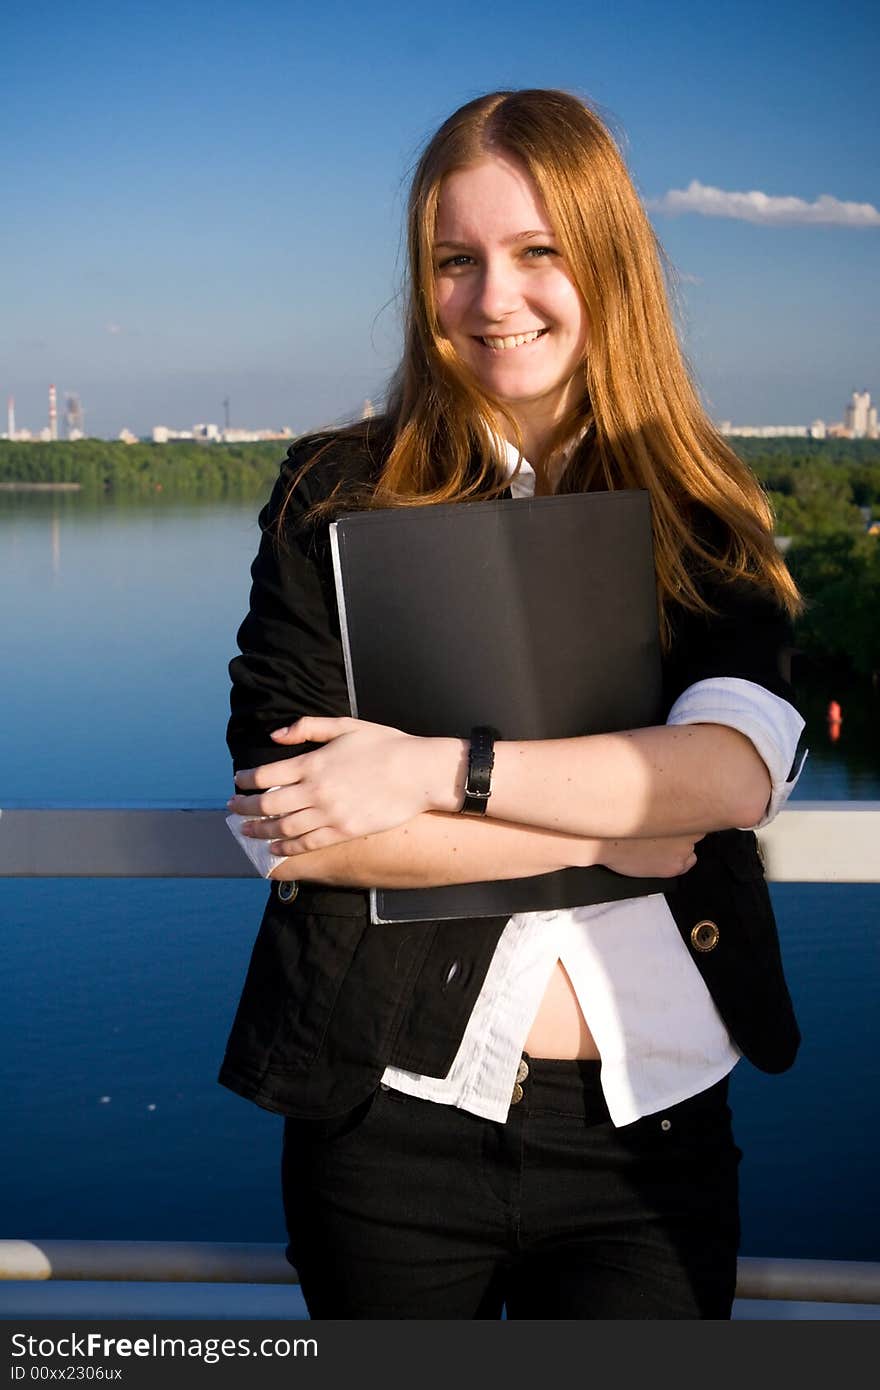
[(705, 936)]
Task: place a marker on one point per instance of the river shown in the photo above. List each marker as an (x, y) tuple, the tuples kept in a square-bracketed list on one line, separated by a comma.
[(118, 625)]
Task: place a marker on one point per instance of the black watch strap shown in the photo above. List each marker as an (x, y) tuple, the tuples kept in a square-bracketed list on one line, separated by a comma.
[(481, 759)]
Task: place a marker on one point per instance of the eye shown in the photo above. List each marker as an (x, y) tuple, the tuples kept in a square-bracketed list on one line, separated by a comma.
[(539, 252), (454, 262)]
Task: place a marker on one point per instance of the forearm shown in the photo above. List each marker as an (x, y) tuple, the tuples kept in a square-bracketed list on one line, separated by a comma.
[(435, 849), (664, 781)]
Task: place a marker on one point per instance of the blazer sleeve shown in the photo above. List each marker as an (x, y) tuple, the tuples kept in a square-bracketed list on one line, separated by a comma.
[(733, 667), (290, 660), (748, 635)]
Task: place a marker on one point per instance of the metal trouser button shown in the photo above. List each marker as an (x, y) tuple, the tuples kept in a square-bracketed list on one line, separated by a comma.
[(517, 1094), (287, 890), (705, 935), (522, 1070)]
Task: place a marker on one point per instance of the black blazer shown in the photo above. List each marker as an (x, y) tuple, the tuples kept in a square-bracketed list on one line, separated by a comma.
[(330, 999)]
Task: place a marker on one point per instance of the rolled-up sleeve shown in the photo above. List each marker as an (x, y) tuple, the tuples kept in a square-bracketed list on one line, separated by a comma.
[(771, 723)]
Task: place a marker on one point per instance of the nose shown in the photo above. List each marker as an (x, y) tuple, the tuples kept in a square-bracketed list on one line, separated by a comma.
[(498, 294)]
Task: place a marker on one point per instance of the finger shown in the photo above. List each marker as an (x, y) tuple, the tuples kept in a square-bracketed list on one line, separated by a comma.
[(322, 838), (287, 827), (289, 734), (276, 801), (313, 729), (266, 776)]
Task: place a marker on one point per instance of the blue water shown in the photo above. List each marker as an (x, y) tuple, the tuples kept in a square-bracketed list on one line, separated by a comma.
[(118, 994)]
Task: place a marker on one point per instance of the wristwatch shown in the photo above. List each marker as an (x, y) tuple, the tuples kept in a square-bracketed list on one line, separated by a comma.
[(481, 759)]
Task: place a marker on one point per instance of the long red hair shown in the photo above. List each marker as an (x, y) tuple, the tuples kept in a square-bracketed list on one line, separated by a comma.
[(640, 422)]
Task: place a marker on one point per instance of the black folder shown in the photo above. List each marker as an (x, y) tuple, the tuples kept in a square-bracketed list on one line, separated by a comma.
[(537, 616)]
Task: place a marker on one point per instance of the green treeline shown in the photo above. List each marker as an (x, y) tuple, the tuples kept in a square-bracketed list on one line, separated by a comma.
[(179, 470), (823, 493)]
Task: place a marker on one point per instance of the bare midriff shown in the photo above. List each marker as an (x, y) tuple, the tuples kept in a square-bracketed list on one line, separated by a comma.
[(559, 1028)]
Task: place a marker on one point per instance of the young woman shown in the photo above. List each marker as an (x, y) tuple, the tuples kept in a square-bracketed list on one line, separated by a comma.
[(530, 1112)]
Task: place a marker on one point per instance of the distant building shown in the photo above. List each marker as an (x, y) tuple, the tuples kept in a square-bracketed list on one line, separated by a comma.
[(162, 434), (855, 416), (255, 436), (212, 434), (127, 437), (765, 431), (73, 415)]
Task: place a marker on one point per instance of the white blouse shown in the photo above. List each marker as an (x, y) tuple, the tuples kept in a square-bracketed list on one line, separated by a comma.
[(658, 1032)]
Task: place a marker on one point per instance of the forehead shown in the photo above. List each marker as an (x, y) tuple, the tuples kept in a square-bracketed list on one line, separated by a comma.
[(494, 199)]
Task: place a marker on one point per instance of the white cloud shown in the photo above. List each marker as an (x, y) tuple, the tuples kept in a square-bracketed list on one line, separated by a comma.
[(764, 207), (113, 328)]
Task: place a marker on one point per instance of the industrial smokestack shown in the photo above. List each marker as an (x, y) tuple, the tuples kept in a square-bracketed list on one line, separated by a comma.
[(10, 418), (53, 414)]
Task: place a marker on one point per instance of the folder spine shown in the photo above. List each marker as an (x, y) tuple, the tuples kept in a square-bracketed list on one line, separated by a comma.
[(339, 580)]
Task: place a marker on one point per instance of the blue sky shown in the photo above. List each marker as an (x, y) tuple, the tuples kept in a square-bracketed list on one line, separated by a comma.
[(204, 199)]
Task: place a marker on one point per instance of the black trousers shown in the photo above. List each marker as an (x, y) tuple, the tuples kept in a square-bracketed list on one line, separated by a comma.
[(403, 1208)]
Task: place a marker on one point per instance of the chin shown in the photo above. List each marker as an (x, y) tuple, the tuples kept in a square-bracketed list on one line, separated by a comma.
[(517, 392)]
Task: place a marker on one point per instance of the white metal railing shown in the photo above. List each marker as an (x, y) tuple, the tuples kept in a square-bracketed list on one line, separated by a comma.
[(808, 842), (813, 1281)]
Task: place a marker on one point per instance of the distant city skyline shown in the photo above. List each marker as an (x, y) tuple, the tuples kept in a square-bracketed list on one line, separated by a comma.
[(219, 217), (859, 421)]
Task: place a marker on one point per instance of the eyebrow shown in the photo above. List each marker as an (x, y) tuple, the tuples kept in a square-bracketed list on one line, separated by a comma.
[(507, 241)]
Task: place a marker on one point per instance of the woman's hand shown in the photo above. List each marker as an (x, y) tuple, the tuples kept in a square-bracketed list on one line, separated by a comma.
[(657, 858), (367, 778)]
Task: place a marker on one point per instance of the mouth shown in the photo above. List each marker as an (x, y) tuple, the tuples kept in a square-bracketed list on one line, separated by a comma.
[(516, 340)]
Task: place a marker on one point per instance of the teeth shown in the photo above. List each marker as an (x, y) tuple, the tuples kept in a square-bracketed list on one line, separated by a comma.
[(500, 343)]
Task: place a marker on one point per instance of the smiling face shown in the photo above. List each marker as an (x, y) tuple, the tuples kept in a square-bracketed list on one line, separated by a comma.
[(505, 299)]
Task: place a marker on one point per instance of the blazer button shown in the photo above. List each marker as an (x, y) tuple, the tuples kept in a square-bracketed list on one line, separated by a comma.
[(451, 973), (705, 936), (287, 890)]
